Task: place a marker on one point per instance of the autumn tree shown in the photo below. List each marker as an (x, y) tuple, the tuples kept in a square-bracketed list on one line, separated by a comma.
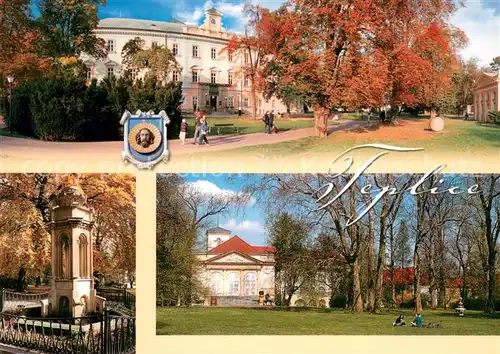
[(464, 80), (159, 61), (66, 28), (250, 48), (24, 213), (130, 50)]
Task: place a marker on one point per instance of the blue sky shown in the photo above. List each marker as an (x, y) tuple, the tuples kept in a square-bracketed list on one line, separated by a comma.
[(249, 221), (479, 19)]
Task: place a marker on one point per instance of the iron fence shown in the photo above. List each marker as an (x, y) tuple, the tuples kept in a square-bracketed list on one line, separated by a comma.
[(121, 296), (105, 334)]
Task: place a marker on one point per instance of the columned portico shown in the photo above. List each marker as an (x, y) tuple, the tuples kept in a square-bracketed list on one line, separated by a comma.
[(486, 95)]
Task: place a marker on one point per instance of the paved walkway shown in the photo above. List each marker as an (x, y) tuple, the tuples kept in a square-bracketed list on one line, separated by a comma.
[(36, 150)]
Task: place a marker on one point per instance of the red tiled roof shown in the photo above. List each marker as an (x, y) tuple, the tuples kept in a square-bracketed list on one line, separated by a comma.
[(235, 243)]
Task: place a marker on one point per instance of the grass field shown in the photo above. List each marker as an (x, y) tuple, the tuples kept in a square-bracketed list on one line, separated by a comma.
[(458, 136), (267, 321)]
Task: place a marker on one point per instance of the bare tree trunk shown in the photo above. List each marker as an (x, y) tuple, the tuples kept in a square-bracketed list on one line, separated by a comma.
[(371, 278), (358, 300), (320, 121), (380, 266), (432, 275), (417, 288), (254, 98), (393, 280)]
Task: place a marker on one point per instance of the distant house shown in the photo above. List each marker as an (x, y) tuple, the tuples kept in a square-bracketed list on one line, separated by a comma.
[(486, 95)]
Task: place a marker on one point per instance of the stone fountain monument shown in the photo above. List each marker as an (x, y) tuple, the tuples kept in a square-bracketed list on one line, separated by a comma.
[(72, 290)]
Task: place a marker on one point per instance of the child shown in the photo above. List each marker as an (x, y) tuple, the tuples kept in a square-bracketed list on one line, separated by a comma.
[(183, 132), (418, 321)]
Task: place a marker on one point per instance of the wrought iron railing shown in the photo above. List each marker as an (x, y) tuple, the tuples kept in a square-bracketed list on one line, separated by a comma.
[(121, 296), (83, 335)]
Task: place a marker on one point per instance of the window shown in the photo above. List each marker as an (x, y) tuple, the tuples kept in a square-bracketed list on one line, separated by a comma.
[(230, 101), (111, 46), (216, 284), (250, 284), (213, 77), (83, 254), (154, 44), (195, 76), (195, 51), (230, 78), (213, 53), (247, 81), (175, 76), (247, 58), (89, 73), (175, 49), (234, 284), (111, 72), (134, 73), (245, 102), (195, 104), (230, 55)]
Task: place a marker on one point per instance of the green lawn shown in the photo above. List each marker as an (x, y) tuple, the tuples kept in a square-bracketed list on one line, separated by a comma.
[(246, 125), (458, 136), (267, 321)]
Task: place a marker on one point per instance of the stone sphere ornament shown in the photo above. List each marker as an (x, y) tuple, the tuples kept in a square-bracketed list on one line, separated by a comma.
[(436, 124)]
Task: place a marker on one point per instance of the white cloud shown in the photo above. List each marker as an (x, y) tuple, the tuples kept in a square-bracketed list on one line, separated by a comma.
[(482, 27), (207, 187), (244, 227)]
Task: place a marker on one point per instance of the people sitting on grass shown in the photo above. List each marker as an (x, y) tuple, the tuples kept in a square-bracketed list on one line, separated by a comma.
[(417, 322), (400, 321)]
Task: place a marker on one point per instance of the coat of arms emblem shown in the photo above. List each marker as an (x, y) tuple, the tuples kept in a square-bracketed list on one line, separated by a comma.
[(145, 138)]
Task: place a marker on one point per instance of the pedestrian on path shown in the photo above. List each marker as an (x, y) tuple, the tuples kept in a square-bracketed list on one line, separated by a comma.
[(204, 129), (183, 133), (197, 125), (266, 122)]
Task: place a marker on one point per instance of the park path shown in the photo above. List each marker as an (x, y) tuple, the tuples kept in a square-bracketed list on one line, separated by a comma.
[(22, 149)]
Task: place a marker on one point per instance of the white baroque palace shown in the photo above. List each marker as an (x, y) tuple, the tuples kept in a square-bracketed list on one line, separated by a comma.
[(210, 76)]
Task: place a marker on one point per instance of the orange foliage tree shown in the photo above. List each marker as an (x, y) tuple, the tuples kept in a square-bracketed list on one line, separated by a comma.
[(361, 53), (24, 212)]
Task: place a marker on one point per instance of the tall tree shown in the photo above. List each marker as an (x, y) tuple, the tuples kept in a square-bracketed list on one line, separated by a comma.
[(292, 260), (464, 80), (66, 28), (487, 208), (249, 47), (495, 63), (159, 61)]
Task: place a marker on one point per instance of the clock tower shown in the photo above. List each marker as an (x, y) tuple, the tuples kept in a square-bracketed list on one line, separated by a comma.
[(213, 20)]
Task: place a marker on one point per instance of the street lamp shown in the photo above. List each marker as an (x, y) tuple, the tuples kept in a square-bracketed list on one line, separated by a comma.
[(10, 79)]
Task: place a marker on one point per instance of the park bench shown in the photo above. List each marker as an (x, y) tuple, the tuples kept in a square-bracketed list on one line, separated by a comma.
[(226, 125)]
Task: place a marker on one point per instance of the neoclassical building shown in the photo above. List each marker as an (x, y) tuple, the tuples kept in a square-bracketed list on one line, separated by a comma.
[(235, 272), (486, 95), (230, 267), (210, 76)]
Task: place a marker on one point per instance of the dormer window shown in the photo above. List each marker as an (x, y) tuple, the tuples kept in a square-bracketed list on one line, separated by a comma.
[(218, 241)]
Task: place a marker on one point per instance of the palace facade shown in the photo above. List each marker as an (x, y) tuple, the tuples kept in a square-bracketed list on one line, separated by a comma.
[(486, 95), (235, 272), (211, 78)]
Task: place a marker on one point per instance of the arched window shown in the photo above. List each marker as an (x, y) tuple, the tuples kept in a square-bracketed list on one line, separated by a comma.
[(84, 262), (64, 257), (250, 284), (234, 284), (216, 284)]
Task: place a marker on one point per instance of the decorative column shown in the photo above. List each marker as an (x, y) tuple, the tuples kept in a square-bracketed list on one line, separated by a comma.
[(72, 291)]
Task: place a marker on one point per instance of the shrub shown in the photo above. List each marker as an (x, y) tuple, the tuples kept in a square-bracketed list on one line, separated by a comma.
[(338, 301), (477, 304), (494, 116)]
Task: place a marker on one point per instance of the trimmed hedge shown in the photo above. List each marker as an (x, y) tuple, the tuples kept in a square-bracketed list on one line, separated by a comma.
[(67, 109), (477, 304)]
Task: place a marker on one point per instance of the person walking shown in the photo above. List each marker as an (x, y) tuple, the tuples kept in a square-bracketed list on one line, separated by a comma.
[(204, 129), (183, 133), (271, 122), (266, 122), (197, 126)]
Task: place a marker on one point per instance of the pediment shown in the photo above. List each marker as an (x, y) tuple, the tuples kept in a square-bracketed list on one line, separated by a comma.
[(485, 80), (233, 257)]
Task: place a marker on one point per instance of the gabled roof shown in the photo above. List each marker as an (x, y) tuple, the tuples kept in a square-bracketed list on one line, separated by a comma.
[(218, 230), (235, 243), (224, 255), (213, 11)]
